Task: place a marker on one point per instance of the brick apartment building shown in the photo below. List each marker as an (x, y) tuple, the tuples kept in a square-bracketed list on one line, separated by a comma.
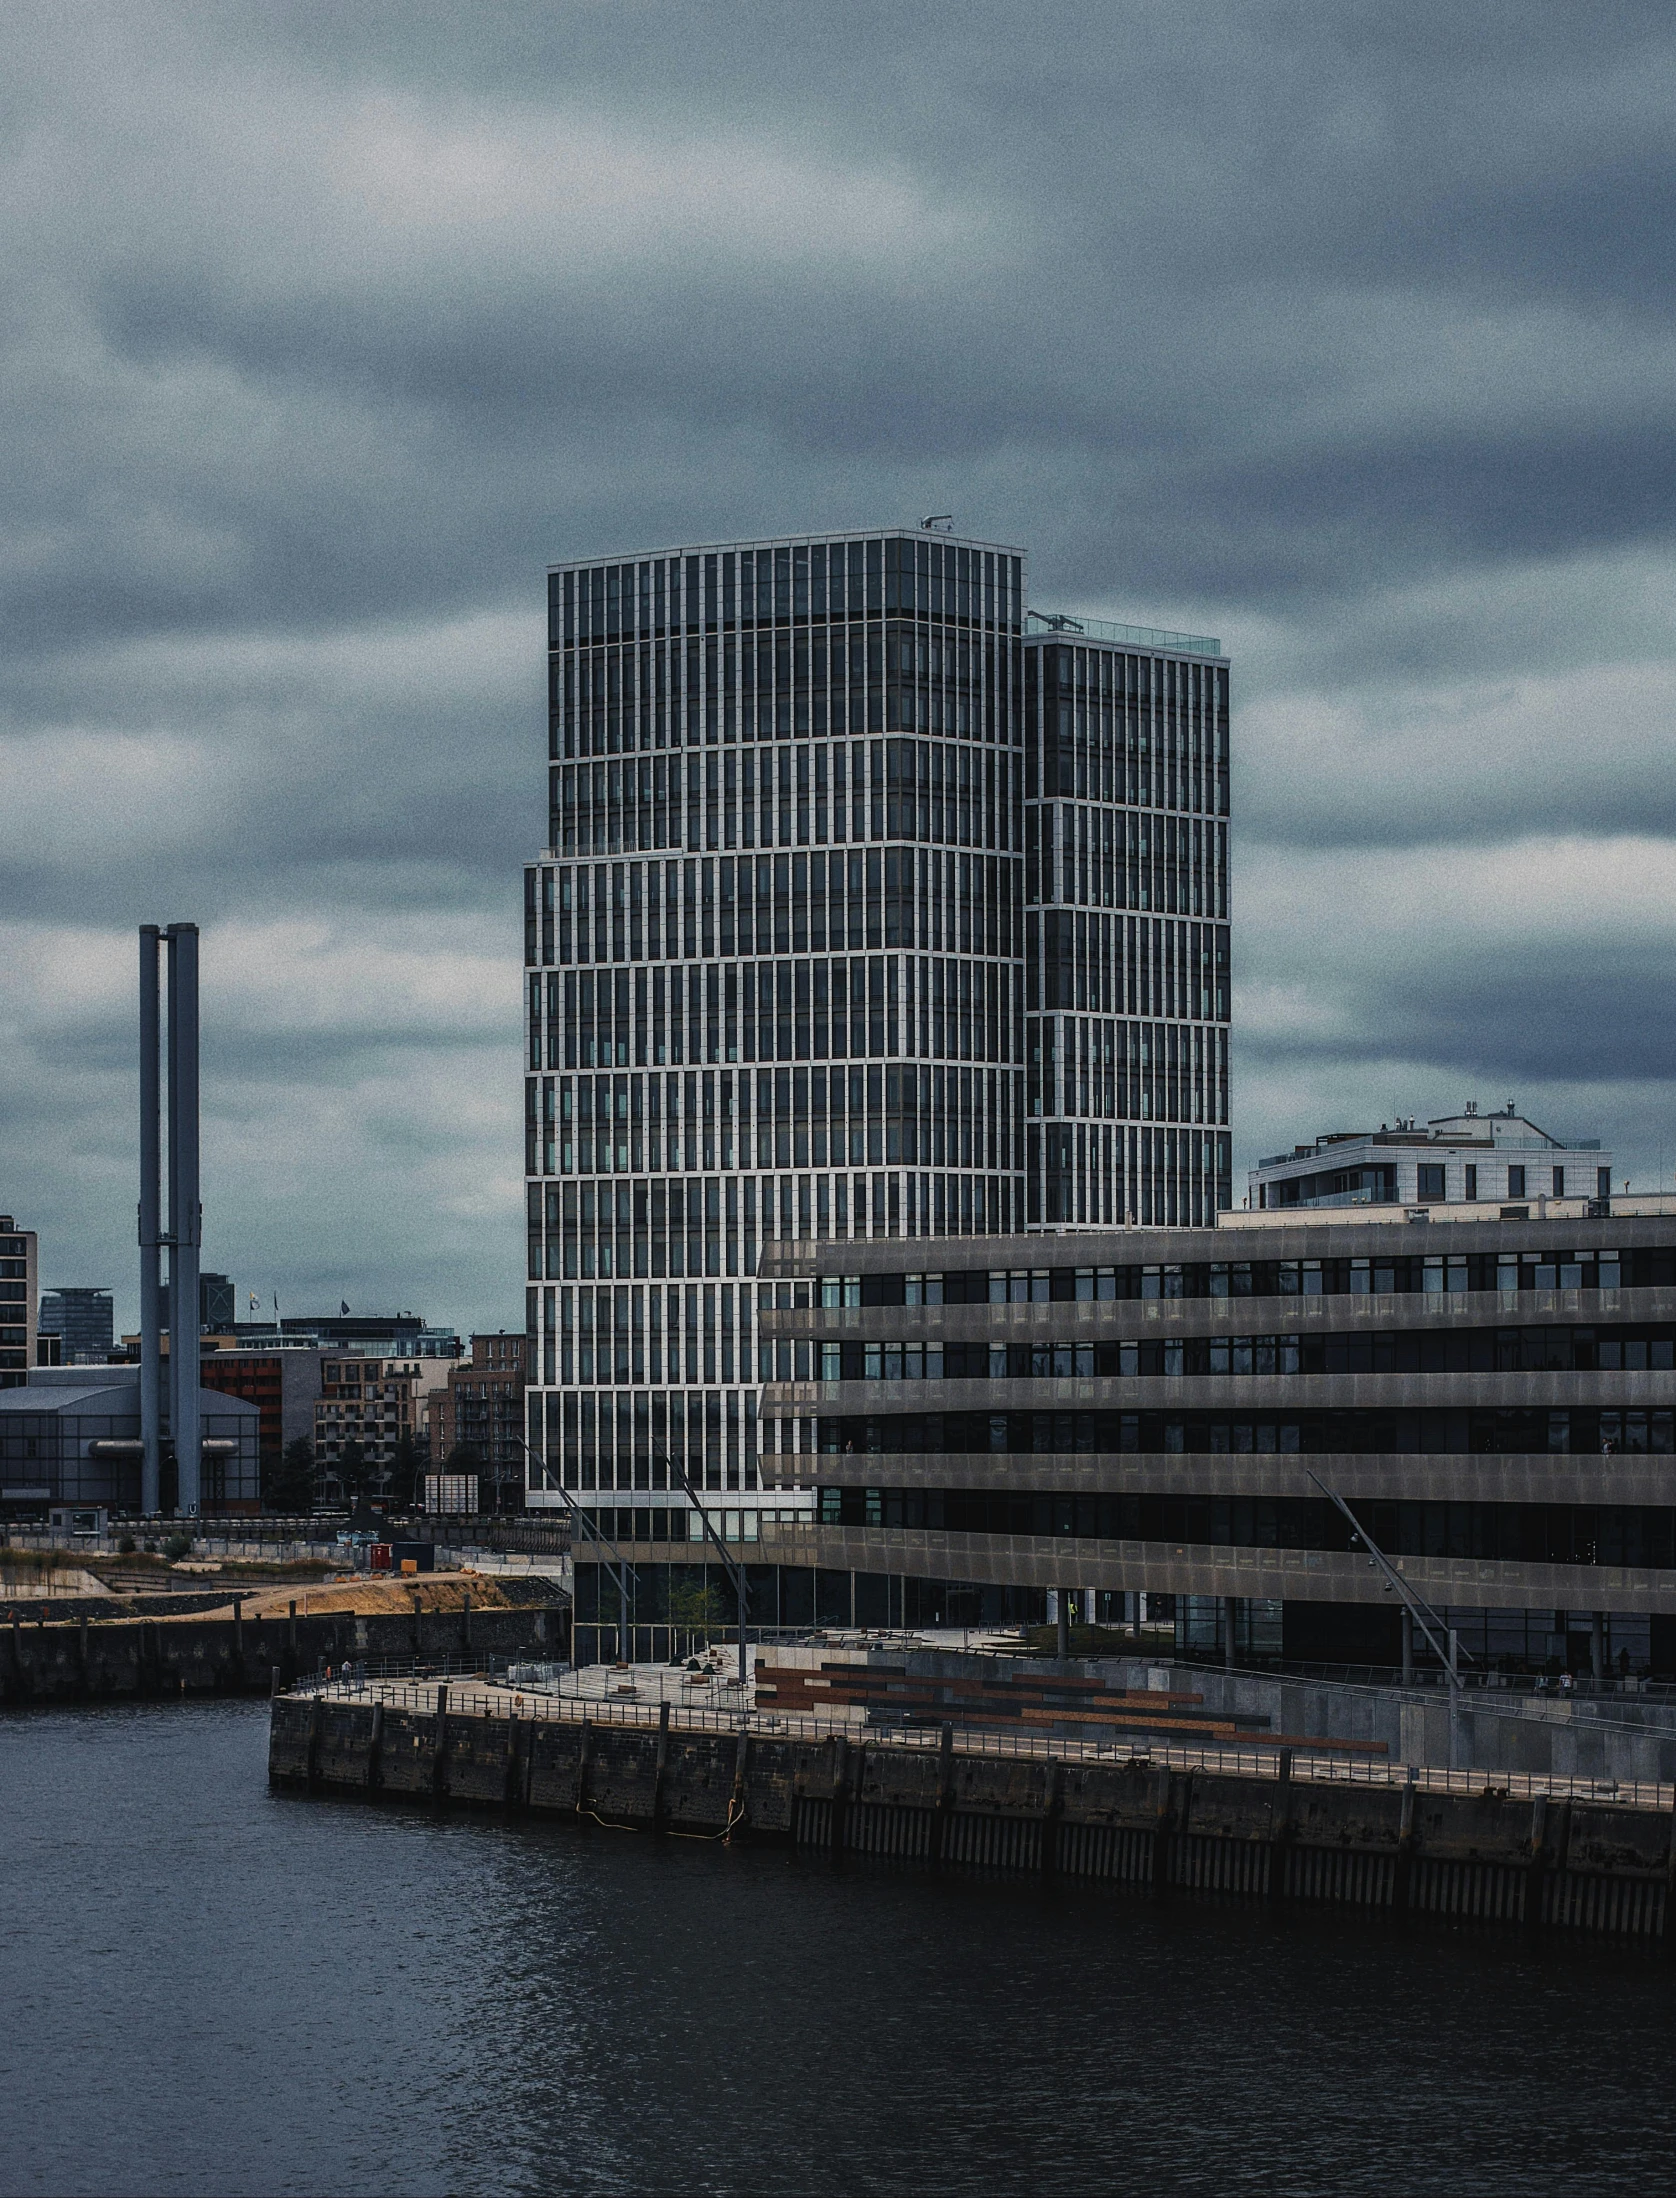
[(480, 1411)]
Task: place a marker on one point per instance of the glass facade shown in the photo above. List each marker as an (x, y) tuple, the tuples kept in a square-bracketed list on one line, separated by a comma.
[(833, 940)]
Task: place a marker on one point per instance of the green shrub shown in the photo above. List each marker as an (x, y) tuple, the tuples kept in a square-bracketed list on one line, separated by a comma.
[(177, 1545), (125, 1547)]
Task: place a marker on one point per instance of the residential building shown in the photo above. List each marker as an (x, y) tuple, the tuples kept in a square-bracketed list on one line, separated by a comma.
[(19, 1302), (870, 907), (370, 1401), (84, 1322), (480, 1411), (283, 1384), (1461, 1159), (72, 1436), (1174, 1413)]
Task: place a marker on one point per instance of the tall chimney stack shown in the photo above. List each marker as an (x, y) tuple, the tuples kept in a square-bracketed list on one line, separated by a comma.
[(184, 1235)]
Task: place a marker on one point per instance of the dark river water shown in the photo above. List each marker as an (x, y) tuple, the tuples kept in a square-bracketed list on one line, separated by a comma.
[(205, 1987)]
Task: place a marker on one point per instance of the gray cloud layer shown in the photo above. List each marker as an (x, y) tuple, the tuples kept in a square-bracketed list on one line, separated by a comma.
[(1342, 332)]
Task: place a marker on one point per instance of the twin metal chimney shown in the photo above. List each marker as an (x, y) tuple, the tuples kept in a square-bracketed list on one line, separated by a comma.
[(184, 1234)]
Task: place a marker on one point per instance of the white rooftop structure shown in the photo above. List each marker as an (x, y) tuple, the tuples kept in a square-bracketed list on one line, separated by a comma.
[(1458, 1159)]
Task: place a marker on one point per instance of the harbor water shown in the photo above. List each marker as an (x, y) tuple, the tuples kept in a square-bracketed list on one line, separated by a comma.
[(209, 1987)]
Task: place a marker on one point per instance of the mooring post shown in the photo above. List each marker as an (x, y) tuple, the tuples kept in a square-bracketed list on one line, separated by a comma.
[(316, 1731), (439, 1745), (82, 1656), (375, 1750), (1053, 1812), (841, 1793), (945, 1792), (660, 1765), (1670, 1890), (738, 1802), (1536, 1867), (1402, 1874), (1163, 1798), (584, 1748), (238, 1633), (1280, 1836)]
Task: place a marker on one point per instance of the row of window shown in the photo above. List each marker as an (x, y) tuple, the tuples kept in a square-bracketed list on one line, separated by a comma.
[(844, 579), (1504, 1533), (1395, 1351), (1455, 1431), (1581, 1268), (1376, 1184), (794, 796), (1077, 1065), (714, 1226), (932, 898), (950, 1116)]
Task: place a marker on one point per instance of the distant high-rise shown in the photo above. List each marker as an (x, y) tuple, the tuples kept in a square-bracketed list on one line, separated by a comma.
[(871, 905), (84, 1320), (18, 1307)]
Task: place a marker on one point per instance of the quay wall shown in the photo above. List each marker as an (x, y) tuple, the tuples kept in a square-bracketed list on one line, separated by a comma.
[(1539, 1863), (122, 1659)]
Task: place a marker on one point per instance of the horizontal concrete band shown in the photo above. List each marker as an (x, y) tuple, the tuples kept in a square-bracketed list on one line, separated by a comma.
[(1156, 1247), (1288, 1575), (1089, 1320), (1217, 1395), (1390, 1476)]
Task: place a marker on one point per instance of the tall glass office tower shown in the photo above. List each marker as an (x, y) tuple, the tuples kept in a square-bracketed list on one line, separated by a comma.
[(870, 905)]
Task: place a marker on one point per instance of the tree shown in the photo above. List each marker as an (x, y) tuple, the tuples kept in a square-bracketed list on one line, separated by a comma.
[(695, 1609), (289, 1483), (408, 1461), (353, 1472)]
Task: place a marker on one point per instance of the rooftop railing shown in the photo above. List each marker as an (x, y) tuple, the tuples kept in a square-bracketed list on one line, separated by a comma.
[(1133, 637)]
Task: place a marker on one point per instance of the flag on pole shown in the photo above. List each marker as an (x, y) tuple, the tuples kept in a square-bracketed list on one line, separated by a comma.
[(343, 1305)]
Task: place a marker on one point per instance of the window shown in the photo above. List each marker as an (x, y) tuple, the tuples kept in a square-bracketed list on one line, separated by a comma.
[(1559, 1182), (1431, 1181), (1515, 1182), (1603, 1182), (1470, 1190)]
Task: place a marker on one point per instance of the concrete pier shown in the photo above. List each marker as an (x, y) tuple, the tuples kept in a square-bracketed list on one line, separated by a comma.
[(1278, 1828)]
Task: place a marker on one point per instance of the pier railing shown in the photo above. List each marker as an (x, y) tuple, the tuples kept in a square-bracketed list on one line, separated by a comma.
[(503, 1699)]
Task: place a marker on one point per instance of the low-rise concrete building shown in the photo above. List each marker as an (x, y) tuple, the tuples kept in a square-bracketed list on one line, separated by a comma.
[(1174, 1413), (72, 1436)]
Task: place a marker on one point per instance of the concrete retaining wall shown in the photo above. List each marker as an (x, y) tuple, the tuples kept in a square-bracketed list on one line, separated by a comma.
[(1542, 1863), (118, 1659)]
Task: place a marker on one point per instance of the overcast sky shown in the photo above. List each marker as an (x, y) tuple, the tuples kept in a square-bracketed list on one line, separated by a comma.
[(1341, 331)]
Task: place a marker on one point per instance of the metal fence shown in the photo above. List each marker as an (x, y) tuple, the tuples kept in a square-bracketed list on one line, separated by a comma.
[(505, 1700)]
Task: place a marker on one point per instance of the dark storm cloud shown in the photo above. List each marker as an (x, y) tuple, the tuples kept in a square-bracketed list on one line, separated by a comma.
[(1341, 331)]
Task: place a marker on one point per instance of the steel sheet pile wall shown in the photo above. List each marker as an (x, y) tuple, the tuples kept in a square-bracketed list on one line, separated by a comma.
[(1598, 1866)]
